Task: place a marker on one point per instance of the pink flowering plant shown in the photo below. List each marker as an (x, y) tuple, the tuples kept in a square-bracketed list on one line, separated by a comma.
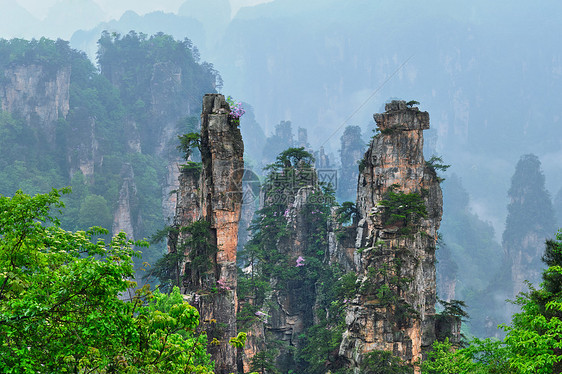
[(221, 283), (236, 110)]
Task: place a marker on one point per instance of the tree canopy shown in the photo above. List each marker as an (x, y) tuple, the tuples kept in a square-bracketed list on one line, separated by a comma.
[(63, 303), (534, 339)]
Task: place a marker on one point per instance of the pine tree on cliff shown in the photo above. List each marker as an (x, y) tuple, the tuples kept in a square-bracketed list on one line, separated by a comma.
[(530, 221)]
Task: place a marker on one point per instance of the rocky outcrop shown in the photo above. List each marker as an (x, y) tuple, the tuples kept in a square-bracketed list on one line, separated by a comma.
[(399, 208), (351, 152), (302, 138), (84, 156), (39, 95), (341, 243), (214, 195), (322, 159), (166, 103)]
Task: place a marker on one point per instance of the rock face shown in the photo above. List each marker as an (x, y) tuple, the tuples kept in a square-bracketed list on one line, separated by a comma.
[(215, 195), (41, 96), (291, 311), (322, 159), (394, 257), (126, 216)]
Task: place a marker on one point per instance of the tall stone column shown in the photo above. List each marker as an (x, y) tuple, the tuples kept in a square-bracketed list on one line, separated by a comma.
[(215, 195), (395, 257), (222, 152)]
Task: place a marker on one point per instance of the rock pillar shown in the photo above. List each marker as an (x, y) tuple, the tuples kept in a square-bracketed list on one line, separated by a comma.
[(399, 207), (214, 195)]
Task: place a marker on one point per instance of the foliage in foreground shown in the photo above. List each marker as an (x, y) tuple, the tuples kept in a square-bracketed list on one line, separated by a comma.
[(534, 339), (61, 308)]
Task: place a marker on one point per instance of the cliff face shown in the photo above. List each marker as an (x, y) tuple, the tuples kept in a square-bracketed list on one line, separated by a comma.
[(215, 196), (222, 153), (41, 97), (399, 208), (126, 217)]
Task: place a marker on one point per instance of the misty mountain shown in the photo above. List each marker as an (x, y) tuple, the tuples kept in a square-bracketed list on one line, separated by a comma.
[(15, 21), (67, 15), (178, 27), (488, 73)]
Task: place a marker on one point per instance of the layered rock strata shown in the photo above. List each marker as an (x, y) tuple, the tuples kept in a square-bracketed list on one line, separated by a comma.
[(394, 309)]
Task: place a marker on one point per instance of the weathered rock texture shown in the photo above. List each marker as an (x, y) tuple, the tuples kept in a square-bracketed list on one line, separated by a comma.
[(395, 307), (153, 129), (215, 195), (290, 305)]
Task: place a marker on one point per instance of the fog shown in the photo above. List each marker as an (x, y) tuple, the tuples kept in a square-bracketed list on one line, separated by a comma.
[(488, 73)]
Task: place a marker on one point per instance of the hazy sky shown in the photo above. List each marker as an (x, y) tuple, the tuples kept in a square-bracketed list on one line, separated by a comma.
[(115, 8)]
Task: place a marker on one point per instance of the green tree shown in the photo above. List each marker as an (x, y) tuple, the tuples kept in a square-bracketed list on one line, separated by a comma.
[(94, 209), (346, 212), (188, 142), (383, 362), (263, 362), (534, 339), (60, 305), (535, 335), (404, 209)]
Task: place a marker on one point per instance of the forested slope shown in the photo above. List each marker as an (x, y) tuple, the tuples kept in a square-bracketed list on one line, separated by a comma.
[(107, 131)]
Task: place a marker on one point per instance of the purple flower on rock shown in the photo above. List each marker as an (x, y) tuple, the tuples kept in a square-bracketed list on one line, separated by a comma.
[(236, 110)]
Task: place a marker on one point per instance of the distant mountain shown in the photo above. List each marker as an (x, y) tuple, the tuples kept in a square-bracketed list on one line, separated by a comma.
[(15, 21), (489, 73), (66, 16), (178, 27)]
